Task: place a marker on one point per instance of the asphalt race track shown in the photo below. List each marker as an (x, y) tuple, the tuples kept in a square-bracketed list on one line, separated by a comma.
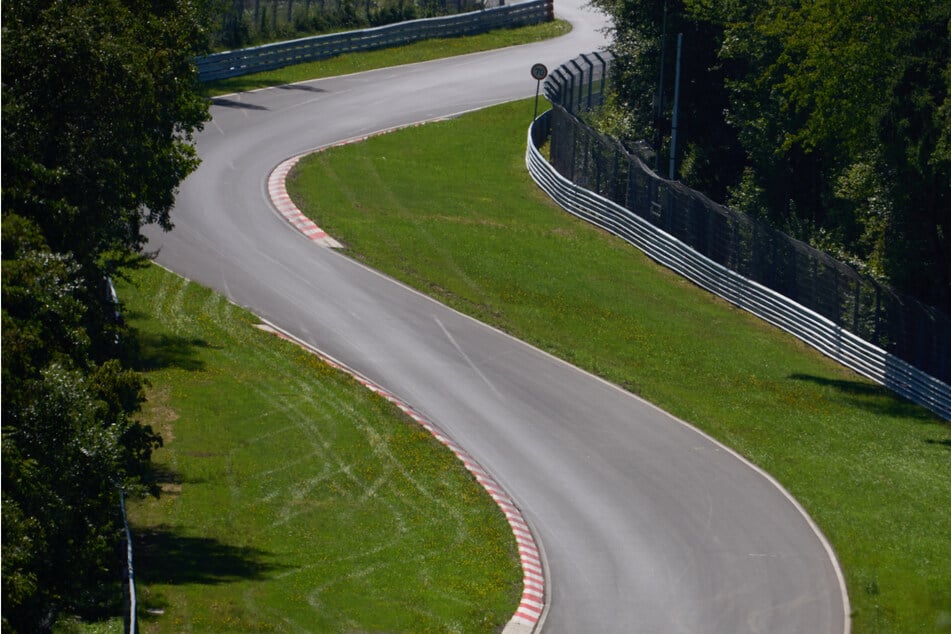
[(646, 525)]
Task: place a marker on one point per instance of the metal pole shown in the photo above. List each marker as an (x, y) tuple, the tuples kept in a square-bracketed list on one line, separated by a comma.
[(673, 127), (578, 85), (659, 105), (590, 78), (538, 86)]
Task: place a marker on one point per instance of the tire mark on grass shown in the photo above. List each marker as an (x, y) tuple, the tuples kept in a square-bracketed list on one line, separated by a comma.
[(299, 411), (455, 526)]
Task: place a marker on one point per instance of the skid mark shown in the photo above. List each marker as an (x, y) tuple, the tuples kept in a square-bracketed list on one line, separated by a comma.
[(467, 359), (337, 474), (532, 603), (177, 303)]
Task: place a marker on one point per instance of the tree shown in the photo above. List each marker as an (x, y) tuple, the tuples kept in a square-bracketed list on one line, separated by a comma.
[(69, 442), (853, 96), (829, 118), (100, 104), (644, 36)]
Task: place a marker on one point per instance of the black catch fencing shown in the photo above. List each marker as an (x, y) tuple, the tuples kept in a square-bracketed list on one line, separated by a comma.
[(908, 329)]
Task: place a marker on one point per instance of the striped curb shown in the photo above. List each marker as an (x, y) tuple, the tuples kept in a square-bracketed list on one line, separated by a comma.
[(277, 188), (532, 603), (277, 191)]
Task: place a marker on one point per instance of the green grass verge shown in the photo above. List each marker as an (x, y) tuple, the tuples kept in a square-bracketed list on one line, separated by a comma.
[(293, 498), (450, 209), (417, 52)]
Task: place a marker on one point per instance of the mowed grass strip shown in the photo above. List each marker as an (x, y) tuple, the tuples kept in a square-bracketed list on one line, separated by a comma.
[(450, 209), (293, 498), (422, 51)]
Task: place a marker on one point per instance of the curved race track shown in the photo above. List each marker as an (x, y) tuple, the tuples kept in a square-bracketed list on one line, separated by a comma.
[(646, 524)]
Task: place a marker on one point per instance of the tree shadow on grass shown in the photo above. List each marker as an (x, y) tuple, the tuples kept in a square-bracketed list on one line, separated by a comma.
[(164, 555), (870, 397), (165, 482), (157, 351)]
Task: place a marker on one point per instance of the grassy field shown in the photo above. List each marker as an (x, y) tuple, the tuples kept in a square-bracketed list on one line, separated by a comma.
[(417, 52), (450, 209), (293, 499), (366, 524)]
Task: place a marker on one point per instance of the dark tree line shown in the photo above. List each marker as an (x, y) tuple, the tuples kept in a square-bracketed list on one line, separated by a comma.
[(832, 119), (100, 100), (250, 22)]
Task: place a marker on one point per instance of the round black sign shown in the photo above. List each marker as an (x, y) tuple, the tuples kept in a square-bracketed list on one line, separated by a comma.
[(539, 71)]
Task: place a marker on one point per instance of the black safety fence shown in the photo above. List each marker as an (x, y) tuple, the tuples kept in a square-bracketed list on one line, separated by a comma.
[(910, 330)]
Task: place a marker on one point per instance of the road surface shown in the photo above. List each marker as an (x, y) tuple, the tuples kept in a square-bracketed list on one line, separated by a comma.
[(646, 525)]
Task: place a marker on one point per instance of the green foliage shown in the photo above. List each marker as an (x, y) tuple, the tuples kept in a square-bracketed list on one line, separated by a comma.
[(99, 104), (643, 29), (420, 51), (42, 317), (853, 93), (829, 118), (68, 440), (245, 23)]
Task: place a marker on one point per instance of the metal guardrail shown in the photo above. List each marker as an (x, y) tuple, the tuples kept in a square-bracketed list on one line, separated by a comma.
[(130, 619), (812, 328), (280, 54), (899, 324)]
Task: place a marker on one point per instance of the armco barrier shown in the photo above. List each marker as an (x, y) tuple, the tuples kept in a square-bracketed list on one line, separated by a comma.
[(812, 328), (280, 54), (131, 616), (899, 324)]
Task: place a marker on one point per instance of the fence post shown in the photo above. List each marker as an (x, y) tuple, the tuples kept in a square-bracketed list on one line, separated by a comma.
[(558, 78), (673, 131), (878, 314), (577, 85), (604, 77), (590, 79)]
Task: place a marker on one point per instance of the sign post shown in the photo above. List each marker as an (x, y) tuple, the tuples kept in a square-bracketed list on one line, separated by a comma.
[(539, 72)]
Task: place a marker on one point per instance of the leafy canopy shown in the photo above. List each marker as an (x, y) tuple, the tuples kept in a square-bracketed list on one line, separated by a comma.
[(100, 104), (831, 118)]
